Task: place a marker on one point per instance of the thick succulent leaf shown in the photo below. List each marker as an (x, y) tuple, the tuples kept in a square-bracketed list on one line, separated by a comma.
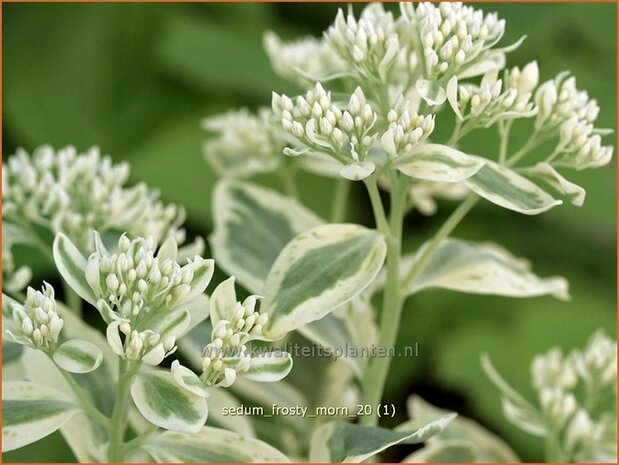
[(334, 334), (223, 301), (85, 438), (166, 404), (202, 273), (267, 394), (317, 272), (72, 265), (252, 226), (547, 174), (508, 189), (221, 401), (436, 162), (31, 412), (461, 438), (482, 269), (199, 309), (341, 441), (78, 356), (268, 368), (211, 445)]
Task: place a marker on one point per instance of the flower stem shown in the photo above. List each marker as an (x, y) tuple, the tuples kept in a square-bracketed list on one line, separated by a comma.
[(377, 206), (117, 432), (287, 175), (445, 230), (378, 368), (338, 212), (85, 403)]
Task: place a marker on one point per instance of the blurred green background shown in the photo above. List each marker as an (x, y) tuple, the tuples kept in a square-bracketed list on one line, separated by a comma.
[(136, 79)]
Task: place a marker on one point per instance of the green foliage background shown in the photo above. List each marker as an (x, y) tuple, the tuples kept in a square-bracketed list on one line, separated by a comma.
[(136, 79)]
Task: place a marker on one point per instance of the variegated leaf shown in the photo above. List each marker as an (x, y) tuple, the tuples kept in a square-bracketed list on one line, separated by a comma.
[(268, 368), (435, 162), (78, 356), (252, 226), (32, 411), (506, 188), (340, 441), (210, 445), (220, 402), (317, 272), (547, 174), (482, 269), (72, 265), (166, 404), (461, 439)]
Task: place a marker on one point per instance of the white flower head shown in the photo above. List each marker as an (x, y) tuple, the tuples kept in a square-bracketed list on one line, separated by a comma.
[(453, 37), (141, 292), (36, 323), (499, 99), (74, 193), (314, 123), (597, 363), (245, 143), (228, 354), (557, 405), (305, 61), (553, 370), (406, 129), (370, 45)]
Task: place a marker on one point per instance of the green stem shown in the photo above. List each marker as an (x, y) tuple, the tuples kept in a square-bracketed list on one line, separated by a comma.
[(533, 141), (85, 402), (377, 205), (74, 301), (126, 373), (504, 129), (342, 190), (287, 175), (445, 230), (376, 376), (137, 441)]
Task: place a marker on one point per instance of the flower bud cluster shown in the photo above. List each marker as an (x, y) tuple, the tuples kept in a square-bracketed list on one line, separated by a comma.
[(573, 411), (580, 146), (160, 221), (497, 99), (136, 288), (226, 355), (136, 279), (147, 345), (406, 129), (307, 60), (37, 323), (559, 100), (245, 144), (370, 44), (74, 193), (315, 122), (566, 110), (452, 35)]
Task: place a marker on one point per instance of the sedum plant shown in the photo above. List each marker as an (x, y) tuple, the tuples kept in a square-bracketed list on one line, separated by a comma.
[(154, 384)]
